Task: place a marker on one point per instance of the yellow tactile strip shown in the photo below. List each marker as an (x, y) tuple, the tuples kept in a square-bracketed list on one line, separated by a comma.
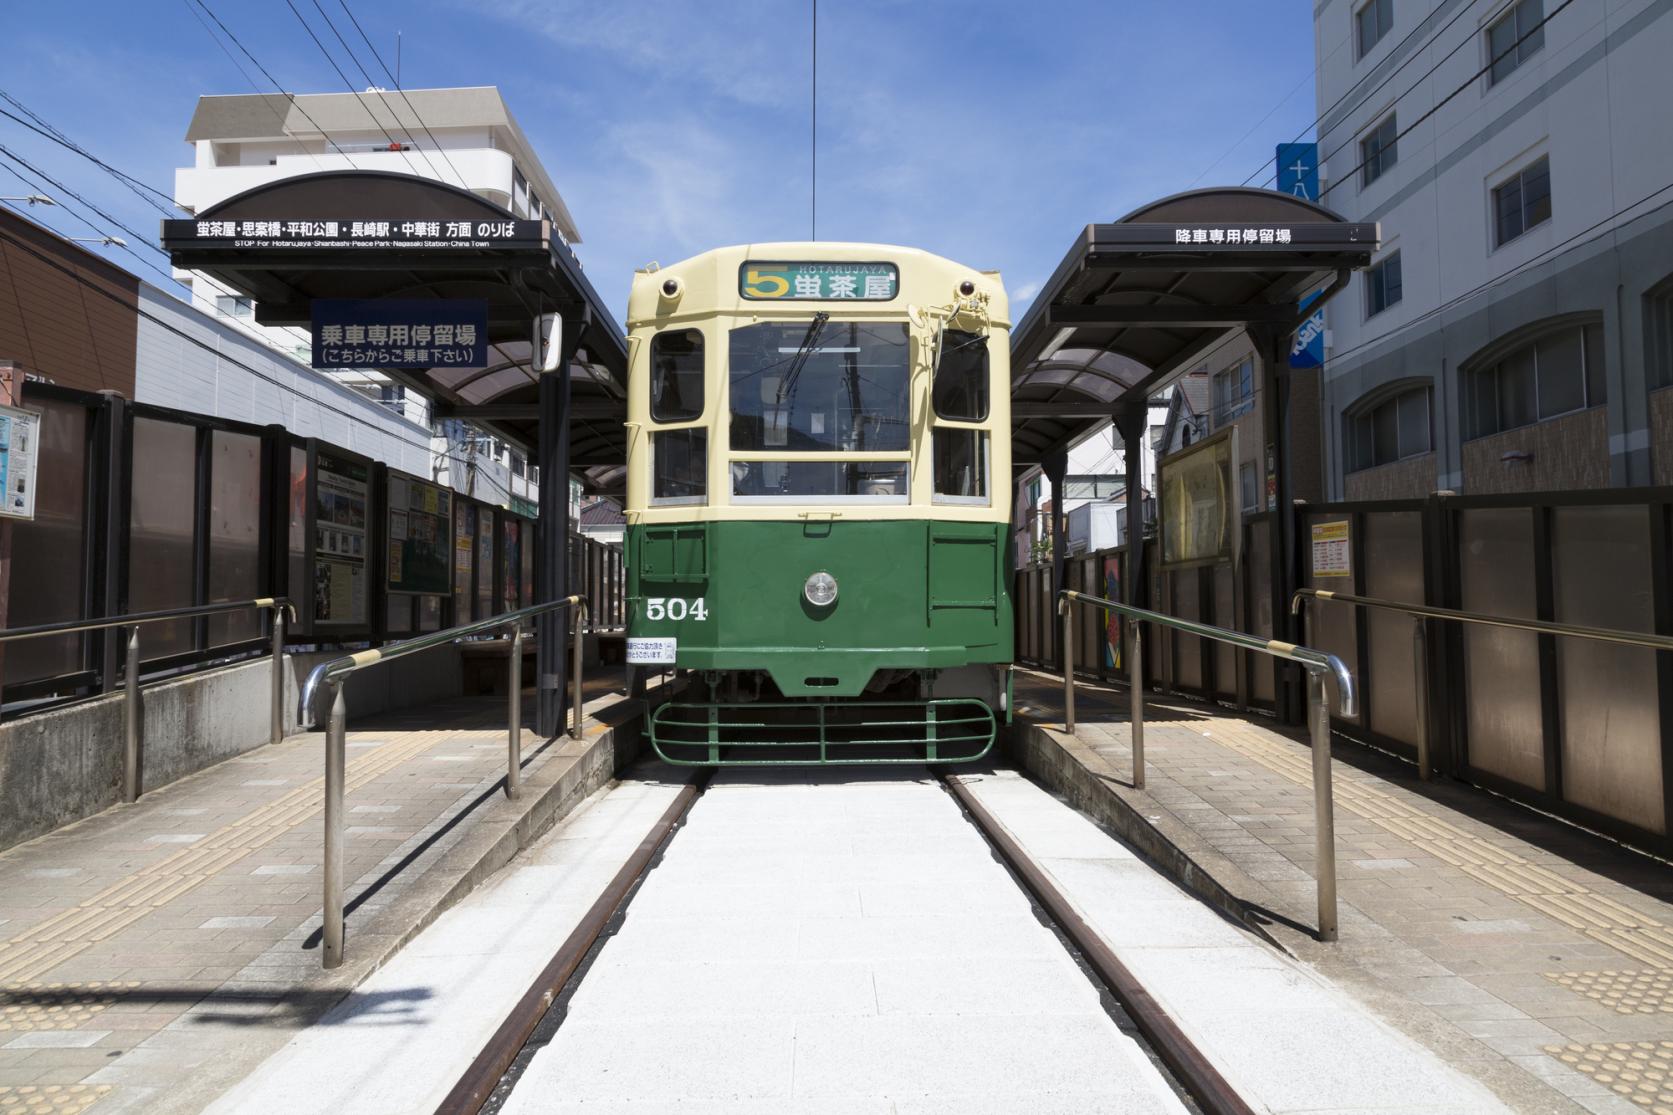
[(1644, 991), (38, 950), (1642, 1071), (57, 1006), (1596, 916), (50, 1099)]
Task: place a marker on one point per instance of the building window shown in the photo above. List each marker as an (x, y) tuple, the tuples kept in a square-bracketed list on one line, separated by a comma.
[(1248, 491), (1554, 374), (393, 396), (1372, 22), (1514, 38), (1102, 486), (1523, 201), (519, 193), (1383, 287), (235, 307), (1377, 151), (1234, 392), (1392, 430), (1658, 335)]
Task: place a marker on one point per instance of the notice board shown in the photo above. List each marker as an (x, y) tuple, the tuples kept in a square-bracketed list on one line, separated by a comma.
[(420, 551)]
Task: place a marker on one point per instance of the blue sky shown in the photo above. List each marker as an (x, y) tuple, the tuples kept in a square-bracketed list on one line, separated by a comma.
[(987, 132)]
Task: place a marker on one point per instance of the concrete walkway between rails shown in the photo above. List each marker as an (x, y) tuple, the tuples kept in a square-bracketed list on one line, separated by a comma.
[(1531, 955), (152, 955)]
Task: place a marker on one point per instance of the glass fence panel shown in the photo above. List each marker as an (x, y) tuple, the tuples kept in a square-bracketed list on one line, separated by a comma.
[(1504, 717), (49, 554), (1611, 716)]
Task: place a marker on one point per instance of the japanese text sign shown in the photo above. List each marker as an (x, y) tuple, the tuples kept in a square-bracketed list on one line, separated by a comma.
[(400, 333), (807, 282)]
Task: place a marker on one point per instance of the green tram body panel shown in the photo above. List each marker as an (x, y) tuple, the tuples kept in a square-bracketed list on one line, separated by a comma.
[(911, 595)]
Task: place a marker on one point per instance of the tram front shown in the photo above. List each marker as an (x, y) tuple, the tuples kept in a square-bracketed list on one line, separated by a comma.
[(818, 504)]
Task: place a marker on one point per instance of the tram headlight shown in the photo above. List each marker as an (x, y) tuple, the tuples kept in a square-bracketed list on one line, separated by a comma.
[(820, 589)]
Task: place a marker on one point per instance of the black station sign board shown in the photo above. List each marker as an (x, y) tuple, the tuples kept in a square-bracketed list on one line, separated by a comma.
[(400, 333), (1246, 237), (405, 234)]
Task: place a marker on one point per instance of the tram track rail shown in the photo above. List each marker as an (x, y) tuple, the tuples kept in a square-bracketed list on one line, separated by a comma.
[(479, 1082), (1189, 1066), (494, 1072)]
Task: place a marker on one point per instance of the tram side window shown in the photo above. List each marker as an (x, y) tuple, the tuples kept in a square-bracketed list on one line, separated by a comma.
[(961, 465), (680, 465), (677, 376), (961, 377)]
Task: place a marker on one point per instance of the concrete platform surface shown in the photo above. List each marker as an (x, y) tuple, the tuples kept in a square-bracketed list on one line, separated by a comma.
[(1533, 956), (152, 955)]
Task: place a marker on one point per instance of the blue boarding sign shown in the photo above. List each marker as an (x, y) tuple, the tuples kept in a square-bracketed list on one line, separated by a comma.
[(1298, 170), (1307, 349), (400, 333)]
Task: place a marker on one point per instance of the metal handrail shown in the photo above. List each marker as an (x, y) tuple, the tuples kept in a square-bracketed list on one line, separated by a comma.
[(334, 673), (1318, 665), (133, 728), (1420, 642), (1543, 627)]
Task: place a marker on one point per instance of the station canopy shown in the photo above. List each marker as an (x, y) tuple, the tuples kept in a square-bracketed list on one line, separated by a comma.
[(317, 236), (1135, 303)]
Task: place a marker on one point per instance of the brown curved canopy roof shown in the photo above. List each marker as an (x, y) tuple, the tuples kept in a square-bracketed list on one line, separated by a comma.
[(1135, 302), (519, 281)]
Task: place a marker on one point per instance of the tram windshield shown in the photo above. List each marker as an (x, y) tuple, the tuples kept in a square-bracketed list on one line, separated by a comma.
[(820, 385)]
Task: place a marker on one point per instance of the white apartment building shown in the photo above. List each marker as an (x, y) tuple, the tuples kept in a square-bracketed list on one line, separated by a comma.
[(1515, 332), (464, 137)]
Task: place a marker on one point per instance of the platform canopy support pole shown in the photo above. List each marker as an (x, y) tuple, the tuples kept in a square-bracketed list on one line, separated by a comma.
[(1054, 464), (552, 572), (1272, 350)]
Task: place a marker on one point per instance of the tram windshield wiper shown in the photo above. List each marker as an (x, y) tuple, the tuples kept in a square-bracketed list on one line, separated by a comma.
[(803, 352)]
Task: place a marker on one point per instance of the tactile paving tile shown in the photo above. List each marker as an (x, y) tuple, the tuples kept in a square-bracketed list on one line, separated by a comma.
[(56, 1006), (1641, 1071), (1628, 992), (50, 1099)]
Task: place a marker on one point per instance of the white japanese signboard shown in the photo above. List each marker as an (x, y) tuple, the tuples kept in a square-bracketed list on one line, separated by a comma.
[(1332, 550)]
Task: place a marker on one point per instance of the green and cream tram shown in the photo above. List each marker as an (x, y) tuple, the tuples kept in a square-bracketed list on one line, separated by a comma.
[(818, 503)]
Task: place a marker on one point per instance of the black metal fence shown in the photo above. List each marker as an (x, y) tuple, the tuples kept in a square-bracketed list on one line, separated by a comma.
[(142, 508), (1580, 729)]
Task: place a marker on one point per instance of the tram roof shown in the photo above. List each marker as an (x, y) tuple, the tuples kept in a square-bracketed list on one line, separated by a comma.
[(528, 272), (1136, 302)]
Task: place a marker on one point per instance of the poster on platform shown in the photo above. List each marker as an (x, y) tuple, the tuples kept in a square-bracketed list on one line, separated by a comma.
[(20, 437), (341, 505), (420, 536), (1332, 550), (1112, 620)]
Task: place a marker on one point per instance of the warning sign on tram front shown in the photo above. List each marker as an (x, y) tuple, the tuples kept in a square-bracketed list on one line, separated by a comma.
[(1332, 552)]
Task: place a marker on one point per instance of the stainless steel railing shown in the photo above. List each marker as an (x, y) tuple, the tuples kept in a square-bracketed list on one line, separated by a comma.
[(334, 673), (133, 731), (1318, 665), (1420, 613)]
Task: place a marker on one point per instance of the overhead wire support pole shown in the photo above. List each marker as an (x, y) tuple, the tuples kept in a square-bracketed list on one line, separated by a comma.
[(813, 134)]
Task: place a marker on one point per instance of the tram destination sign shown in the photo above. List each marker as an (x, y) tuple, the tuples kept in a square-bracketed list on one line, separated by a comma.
[(366, 234), (400, 332), (821, 281)]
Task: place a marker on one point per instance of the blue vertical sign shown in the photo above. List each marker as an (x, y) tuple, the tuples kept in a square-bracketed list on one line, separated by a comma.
[(1298, 170), (1298, 176)]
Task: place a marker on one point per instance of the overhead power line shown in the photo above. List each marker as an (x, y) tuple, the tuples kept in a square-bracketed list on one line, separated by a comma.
[(1444, 101), (395, 80), (41, 127), (370, 87), (1388, 77)]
